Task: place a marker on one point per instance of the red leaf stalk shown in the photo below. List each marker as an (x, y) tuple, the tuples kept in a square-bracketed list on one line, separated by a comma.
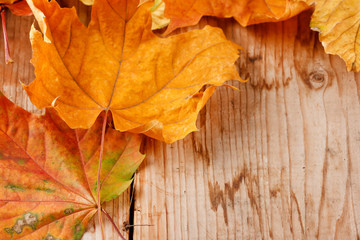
[(98, 184), (113, 223), (6, 42)]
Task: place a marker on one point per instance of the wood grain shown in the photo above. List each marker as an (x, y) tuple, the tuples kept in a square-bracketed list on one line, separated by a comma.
[(279, 159), (21, 70)]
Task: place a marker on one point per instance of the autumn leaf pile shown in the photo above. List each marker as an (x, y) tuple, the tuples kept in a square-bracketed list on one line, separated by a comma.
[(106, 83)]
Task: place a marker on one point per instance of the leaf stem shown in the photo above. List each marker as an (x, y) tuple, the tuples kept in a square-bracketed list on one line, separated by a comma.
[(98, 175), (6, 42), (113, 223)]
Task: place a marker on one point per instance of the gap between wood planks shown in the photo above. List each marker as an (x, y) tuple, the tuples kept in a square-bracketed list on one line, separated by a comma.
[(130, 224)]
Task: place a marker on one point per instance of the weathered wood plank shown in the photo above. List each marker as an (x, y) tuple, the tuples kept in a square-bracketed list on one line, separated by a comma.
[(277, 160), (21, 70)]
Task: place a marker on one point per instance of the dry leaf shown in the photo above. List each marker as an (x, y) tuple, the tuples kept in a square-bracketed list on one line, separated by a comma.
[(151, 85), (48, 173), (338, 22), (188, 13)]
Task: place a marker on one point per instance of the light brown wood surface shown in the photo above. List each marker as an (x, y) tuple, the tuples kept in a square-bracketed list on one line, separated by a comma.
[(279, 159)]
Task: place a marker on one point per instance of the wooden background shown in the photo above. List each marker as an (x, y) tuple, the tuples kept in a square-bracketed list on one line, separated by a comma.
[(279, 159)]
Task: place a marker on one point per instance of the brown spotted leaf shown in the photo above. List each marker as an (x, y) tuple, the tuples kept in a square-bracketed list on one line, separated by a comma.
[(48, 173), (151, 85)]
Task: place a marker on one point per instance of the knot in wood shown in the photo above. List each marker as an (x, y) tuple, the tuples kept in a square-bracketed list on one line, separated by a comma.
[(317, 79)]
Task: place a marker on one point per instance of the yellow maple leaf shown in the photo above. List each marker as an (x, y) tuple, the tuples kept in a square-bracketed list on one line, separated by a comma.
[(338, 22), (151, 85)]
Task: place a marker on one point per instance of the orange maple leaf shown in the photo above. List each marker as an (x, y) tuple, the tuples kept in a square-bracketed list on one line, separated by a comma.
[(17, 8), (151, 85), (188, 13), (48, 173)]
